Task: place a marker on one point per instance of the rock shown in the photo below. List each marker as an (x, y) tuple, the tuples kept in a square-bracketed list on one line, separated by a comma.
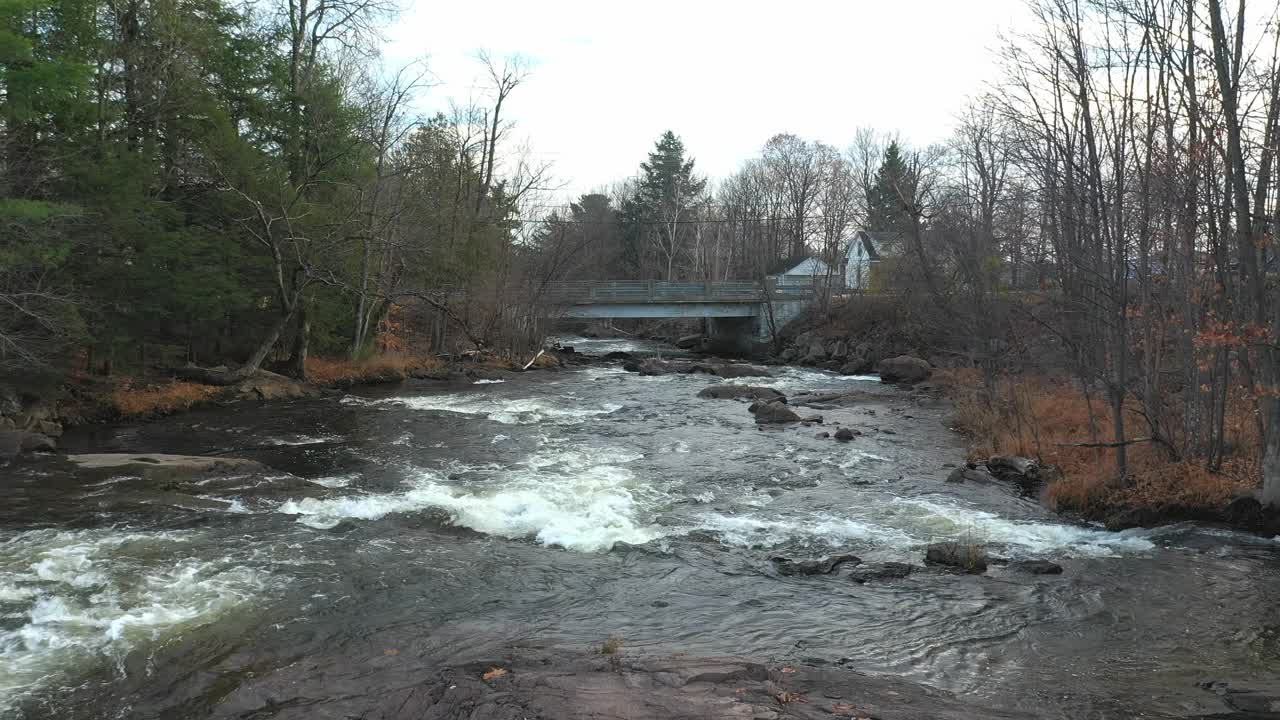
[(619, 355), (970, 474), (1024, 472), (845, 435), (7, 424), (652, 367), (839, 350), (815, 419), (1036, 567), (790, 355), (10, 402), (1244, 511), (883, 571), (962, 556), (815, 353), (857, 365), (1134, 517), (775, 413), (823, 435), (735, 370), (164, 467), (825, 566), (737, 392), (689, 342), (264, 385), (20, 442), (904, 369), (631, 366), (48, 427)]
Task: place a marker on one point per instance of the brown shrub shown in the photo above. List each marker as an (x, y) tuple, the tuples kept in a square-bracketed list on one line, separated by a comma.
[(132, 401), (379, 368), (1050, 418)]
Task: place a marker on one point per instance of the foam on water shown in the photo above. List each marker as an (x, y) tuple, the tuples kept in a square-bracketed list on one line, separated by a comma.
[(80, 597), (508, 411), (484, 381), (906, 524), (576, 499), (791, 380), (304, 440)]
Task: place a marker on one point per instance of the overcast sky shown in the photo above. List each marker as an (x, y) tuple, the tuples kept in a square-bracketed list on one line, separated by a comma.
[(608, 77)]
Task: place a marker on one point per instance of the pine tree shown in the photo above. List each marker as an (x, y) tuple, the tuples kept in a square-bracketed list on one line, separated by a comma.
[(895, 181), (665, 200)]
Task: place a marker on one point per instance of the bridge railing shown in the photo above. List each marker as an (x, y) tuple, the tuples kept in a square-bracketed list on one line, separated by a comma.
[(656, 291)]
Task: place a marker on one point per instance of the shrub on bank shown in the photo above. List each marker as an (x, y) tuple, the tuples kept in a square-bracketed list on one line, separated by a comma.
[(389, 367), (1053, 420), (131, 401)]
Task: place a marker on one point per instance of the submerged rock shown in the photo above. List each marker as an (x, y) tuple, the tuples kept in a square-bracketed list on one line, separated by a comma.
[(159, 466), (845, 435), (735, 370), (962, 556), (904, 369), (739, 392), (1036, 567), (824, 566), (883, 571)]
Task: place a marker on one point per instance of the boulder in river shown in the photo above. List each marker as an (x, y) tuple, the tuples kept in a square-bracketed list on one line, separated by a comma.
[(856, 365), (264, 385), (845, 435), (738, 370), (740, 392), (823, 566), (884, 571), (1026, 473), (904, 369), (962, 556), (775, 413), (20, 442), (1036, 567)]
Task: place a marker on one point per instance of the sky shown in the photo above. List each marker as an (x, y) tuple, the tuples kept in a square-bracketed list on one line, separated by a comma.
[(607, 78)]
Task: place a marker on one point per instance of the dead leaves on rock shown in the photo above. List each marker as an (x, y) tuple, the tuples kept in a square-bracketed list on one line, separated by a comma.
[(494, 673)]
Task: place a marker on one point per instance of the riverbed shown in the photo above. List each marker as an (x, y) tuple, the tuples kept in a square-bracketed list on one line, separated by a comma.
[(566, 508)]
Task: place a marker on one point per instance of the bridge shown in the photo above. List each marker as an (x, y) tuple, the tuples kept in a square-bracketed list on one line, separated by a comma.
[(736, 311)]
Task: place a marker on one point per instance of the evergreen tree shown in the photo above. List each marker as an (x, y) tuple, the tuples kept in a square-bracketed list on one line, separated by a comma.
[(664, 201), (887, 200)]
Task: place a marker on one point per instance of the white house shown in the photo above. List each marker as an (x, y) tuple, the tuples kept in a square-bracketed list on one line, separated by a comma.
[(862, 251)]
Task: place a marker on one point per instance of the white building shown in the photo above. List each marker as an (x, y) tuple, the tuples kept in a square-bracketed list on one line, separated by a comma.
[(862, 251)]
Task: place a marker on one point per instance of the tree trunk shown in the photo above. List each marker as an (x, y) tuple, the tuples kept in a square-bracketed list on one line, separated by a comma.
[(297, 366)]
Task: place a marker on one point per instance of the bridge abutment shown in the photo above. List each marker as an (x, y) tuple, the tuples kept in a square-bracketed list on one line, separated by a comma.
[(731, 336)]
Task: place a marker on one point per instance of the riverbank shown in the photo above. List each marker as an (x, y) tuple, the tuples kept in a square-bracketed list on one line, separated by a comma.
[(83, 399), (1035, 410)]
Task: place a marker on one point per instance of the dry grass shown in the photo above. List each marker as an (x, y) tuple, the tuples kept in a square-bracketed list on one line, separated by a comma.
[(172, 397), (388, 367), (1047, 418)]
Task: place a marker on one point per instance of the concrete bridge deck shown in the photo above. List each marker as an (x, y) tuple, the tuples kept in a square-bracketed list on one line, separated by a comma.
[(655, 299)]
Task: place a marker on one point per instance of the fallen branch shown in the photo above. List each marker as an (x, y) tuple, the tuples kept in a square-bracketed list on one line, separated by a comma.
[(534, 360), (1134, 441)]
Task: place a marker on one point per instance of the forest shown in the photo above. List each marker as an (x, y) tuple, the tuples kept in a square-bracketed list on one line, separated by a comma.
[(210, 182)]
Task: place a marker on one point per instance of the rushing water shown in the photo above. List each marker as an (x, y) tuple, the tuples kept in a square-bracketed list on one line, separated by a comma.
[(564, 508)]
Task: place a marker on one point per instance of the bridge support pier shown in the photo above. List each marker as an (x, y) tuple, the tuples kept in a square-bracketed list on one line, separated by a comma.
[(731, 336)]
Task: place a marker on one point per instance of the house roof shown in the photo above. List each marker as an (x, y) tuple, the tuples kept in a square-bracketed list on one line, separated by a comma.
[(808, 266), (873, 240)]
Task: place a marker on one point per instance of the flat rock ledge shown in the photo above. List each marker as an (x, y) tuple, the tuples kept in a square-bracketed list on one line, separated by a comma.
[(538, 683), (160, 465)]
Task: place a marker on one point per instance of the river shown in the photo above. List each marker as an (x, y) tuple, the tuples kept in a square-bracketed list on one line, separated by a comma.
[(569, 507)]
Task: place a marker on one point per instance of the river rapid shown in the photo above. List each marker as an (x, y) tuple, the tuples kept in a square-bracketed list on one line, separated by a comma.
[(564, 508)]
